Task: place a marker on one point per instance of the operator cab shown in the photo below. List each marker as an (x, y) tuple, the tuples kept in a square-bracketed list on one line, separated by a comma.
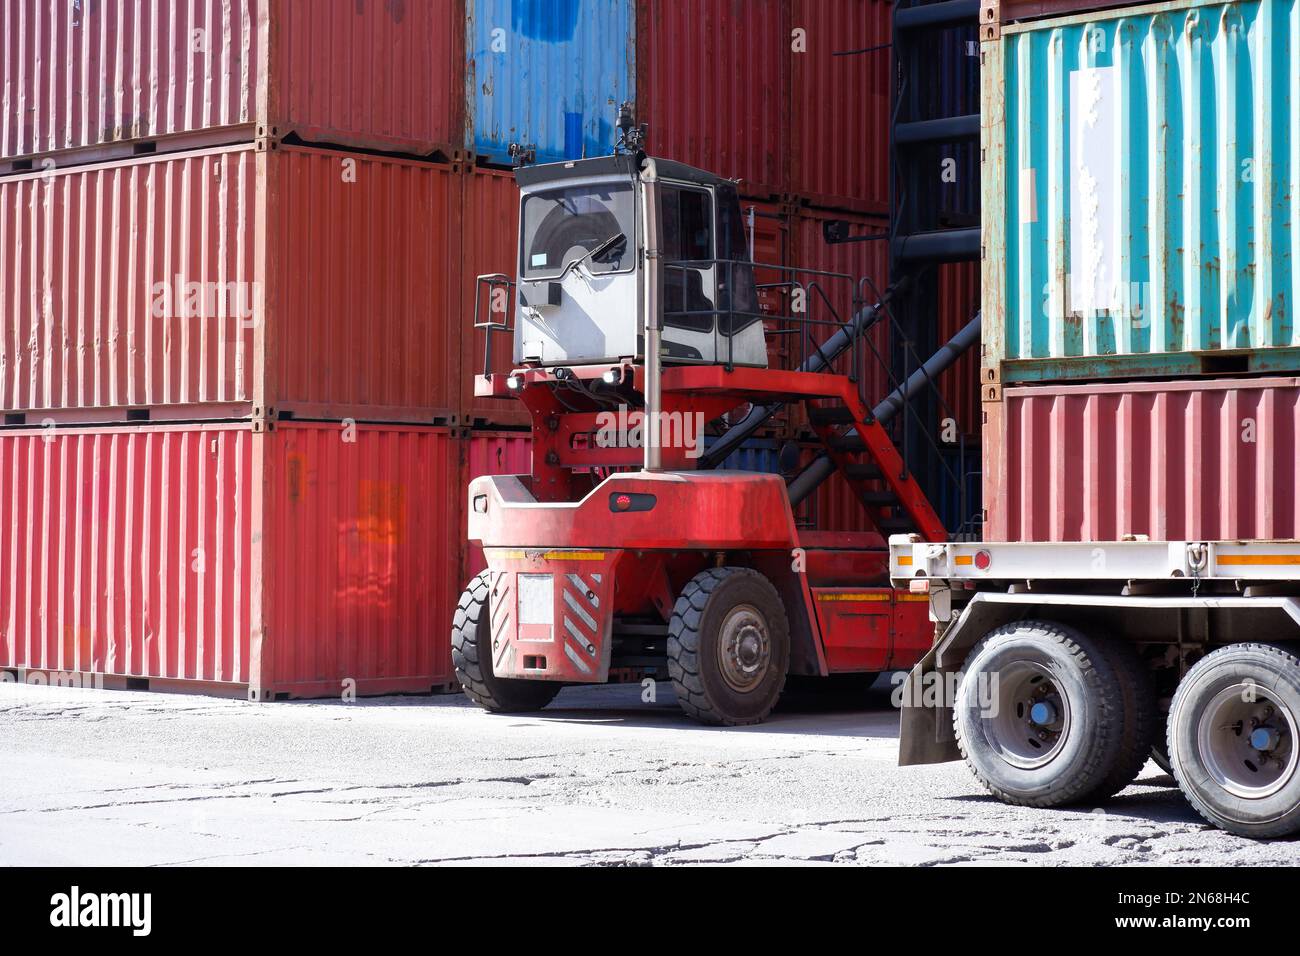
[(582, 268)]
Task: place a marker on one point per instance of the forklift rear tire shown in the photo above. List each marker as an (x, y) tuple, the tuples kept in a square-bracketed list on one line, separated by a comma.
[(471, 654), (1039, 715), (728, 647), (1234, 739)]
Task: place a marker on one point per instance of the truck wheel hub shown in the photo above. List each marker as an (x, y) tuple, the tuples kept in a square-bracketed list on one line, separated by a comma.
[(744, 648), (1030, 718), (1247, 742)]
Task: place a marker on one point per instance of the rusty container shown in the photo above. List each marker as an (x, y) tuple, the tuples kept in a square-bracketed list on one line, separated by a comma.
[(1198, 460), (241, 281), (86, 82), (295, 560)]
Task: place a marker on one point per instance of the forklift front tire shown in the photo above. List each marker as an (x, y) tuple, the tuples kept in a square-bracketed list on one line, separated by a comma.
[(471, 654), (728, 647)]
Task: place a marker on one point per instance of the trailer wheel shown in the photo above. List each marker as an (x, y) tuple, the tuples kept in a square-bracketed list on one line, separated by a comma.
[(471, 654), (1234, 727), (728, 646), (1039, 714), (1141, 719)]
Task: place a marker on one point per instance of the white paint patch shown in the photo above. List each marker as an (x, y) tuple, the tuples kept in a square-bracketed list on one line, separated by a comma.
[(1095, 195)]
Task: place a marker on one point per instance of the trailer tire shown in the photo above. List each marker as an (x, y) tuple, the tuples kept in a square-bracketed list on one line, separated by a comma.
[(1160, 757), (471, 654), (728, 647), (1223, 702), (1054, 734), (1141, 719)]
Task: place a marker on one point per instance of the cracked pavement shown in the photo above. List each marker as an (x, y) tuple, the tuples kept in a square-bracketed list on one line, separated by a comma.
[(598, 778)]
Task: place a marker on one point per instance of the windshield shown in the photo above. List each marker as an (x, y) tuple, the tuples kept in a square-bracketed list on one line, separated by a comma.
[(561, 226)]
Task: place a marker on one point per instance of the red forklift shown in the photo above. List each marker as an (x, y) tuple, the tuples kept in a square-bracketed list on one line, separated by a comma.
[(640, 333)]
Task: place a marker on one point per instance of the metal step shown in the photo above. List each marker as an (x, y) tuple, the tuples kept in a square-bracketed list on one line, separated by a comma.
[(894, 526), (862, 472), (835, 415), (878, 499), (851, 442)]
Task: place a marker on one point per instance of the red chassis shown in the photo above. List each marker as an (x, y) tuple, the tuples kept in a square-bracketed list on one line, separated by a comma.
[(584, 571)]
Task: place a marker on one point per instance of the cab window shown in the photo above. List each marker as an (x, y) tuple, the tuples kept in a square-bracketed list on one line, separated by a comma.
[(686, 235)]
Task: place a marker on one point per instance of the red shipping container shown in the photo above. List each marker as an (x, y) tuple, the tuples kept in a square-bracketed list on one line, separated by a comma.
[(840, 105), (302, 561), (1179, 461), (98, 76), (227, 282), (713, 83), (959, 385), (489, 242), (490, 453)]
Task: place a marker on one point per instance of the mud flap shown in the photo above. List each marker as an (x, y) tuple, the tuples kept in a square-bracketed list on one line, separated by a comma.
[(925, 723)]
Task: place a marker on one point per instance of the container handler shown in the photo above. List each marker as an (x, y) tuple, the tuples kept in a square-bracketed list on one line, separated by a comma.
[(625, 554)]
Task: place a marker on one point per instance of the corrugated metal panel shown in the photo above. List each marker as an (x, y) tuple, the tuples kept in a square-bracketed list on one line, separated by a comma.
[(840, 105), (756, 454), (386, 73), (289, 560), (1010, 11), (156, 282), (90, 254), (361, 295), (83, 74), (79, 75), (489, 244), (960, 492), (959, 385), (1149, 202), (129, 552), (360, 582), (1202, 460), (957, 94), (713, 83), (550, 73), (491, 453)]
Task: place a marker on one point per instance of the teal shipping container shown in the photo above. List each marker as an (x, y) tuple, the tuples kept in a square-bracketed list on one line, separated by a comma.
[(1140, 192), (547, 73)]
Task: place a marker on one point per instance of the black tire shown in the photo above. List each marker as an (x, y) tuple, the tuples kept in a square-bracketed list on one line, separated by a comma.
[(1141, 719), (706, 687), (1160, 757), (1064, 760), (471, 654), (1214, 764)]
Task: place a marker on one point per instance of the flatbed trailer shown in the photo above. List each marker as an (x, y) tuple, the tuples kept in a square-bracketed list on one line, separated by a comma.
[(1059, 668)]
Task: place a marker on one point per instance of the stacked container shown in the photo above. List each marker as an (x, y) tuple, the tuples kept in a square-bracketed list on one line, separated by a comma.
[(230, 349), (1142, 222)]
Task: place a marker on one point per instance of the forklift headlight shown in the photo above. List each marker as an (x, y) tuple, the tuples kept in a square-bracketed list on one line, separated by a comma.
[(480, 504), (513, 382), (612, 377)]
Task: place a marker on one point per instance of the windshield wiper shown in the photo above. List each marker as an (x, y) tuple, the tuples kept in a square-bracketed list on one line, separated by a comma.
[(596, 252)]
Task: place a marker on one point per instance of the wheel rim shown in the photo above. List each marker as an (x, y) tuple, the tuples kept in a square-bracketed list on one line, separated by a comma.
[(1031, 719), (744, 648), (1247, 741)]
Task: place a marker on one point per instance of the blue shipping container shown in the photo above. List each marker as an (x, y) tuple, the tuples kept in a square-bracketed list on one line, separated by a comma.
[(548, 73)]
